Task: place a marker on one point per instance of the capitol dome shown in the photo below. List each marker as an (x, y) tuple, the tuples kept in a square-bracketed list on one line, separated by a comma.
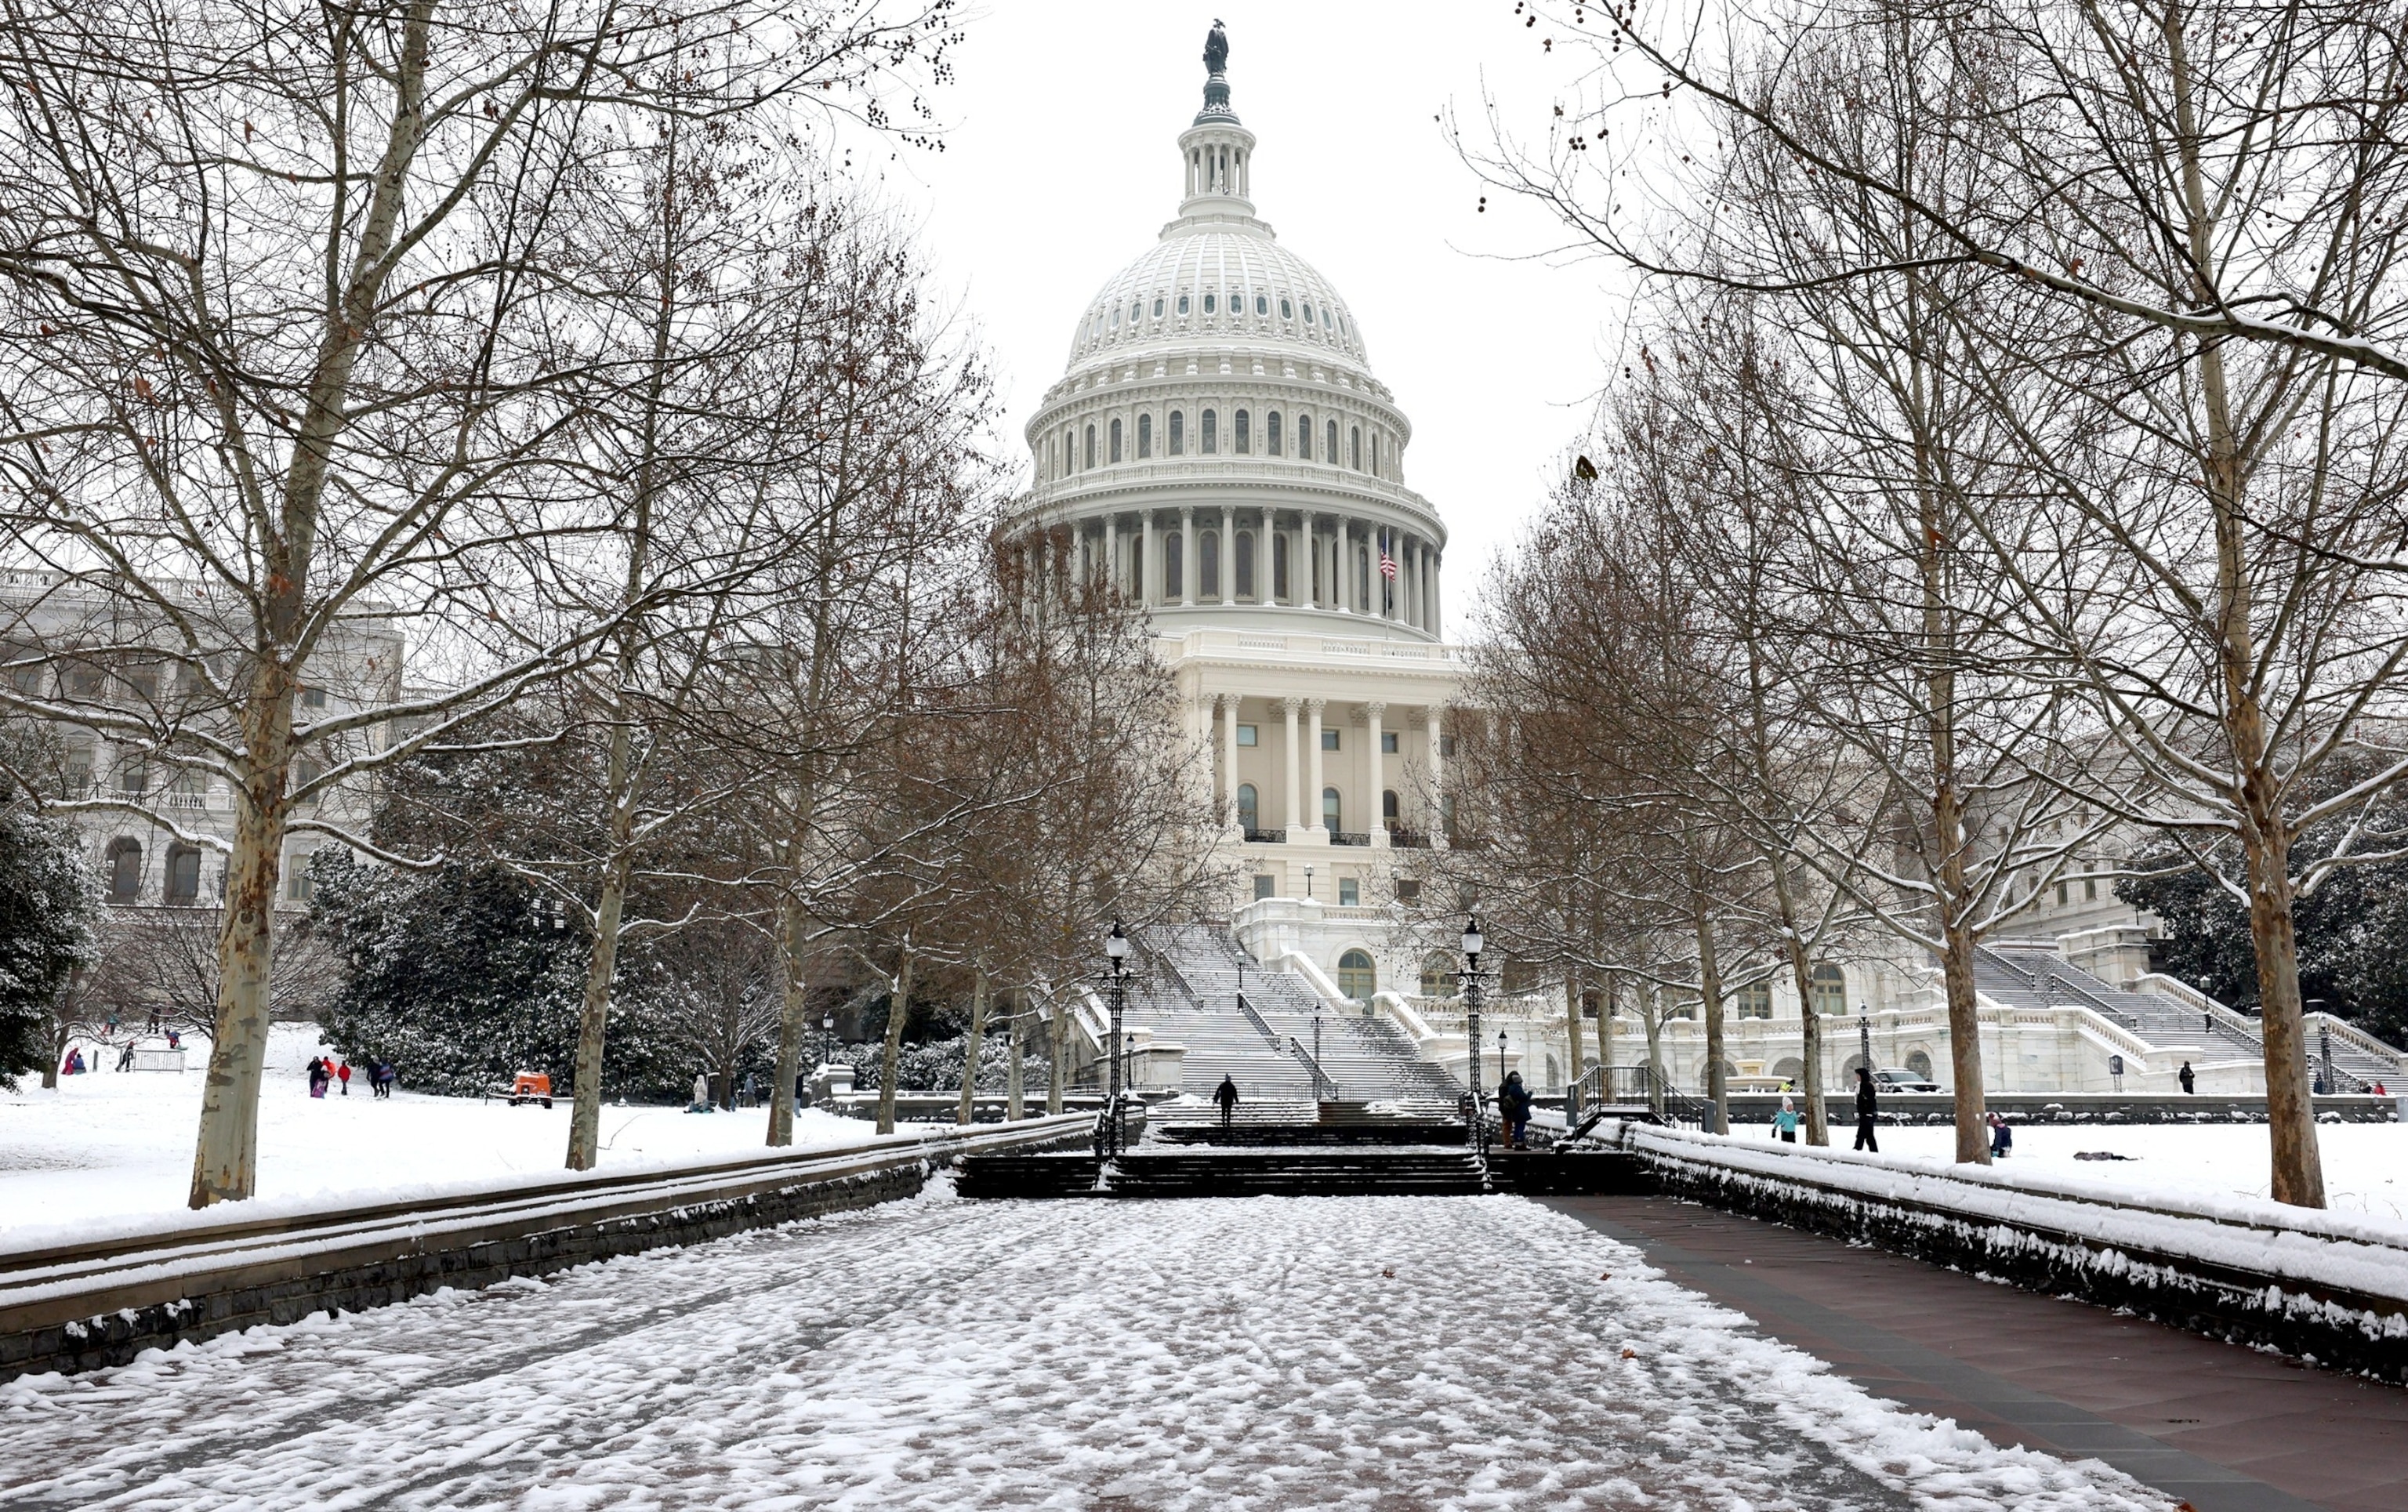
[(1218, 448)]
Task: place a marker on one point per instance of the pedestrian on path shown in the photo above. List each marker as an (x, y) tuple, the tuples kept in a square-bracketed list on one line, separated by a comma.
[(1785, 1123), (320, 1074), (1865, 1110), (701, 1102), (343, 1073), (2002, 1138), (1226, 1096), (1513, 1108), (125, 1057), (2189, 1082)]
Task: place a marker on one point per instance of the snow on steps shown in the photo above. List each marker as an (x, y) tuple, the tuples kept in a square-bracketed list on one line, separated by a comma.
[(2330, 1287), (77, 1305)]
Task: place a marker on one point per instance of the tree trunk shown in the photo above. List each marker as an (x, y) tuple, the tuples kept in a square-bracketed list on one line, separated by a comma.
[(1709, 994), (225, 1158), (1651, 1016), (1012, 1080), (1058, 1043), (593, 1018), (890, 1063), (1573, 1026), (1965, 1044), (1810, 1032), (970, 1056), (1605, 1040), (791, 1003), (2291, 1105)]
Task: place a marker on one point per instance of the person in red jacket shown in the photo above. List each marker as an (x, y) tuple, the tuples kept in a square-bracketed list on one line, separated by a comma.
[(343, 1073)]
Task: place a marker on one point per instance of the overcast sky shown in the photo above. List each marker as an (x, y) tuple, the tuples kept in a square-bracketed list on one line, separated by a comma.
[(1063, 164)]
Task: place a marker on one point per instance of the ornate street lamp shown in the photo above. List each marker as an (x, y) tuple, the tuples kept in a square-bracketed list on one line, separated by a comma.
[(1116, 950), (1472, 945)]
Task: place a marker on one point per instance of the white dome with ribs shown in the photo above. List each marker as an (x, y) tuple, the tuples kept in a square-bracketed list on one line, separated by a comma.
[(1226, 280)]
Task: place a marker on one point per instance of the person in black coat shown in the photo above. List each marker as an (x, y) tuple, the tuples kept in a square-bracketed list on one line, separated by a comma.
[(1865, 1109), (2189, 1080), (1226, 1096), (1513, 1109)]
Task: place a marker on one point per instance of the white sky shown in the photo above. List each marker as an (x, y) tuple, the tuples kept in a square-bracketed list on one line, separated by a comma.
[(1063, 164)]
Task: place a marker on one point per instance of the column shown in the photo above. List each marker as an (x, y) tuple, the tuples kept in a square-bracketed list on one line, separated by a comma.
[(1187, 555), (1376, 772), (1113, 573), (1344, 557), (1149, 564), (1313, 793), (1230, 556), (1229, 761), (1294, 816), (1437, 820), (1311, 597), (1409, 584), (1438, 606)]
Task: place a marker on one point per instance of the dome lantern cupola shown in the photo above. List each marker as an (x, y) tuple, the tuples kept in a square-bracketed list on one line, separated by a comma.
[(1217, 151)]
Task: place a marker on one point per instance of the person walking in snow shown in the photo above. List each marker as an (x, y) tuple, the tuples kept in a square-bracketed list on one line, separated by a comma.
[(1865, 1107), (2002, 1138), (319, 1077), (343, 1073), (125, 1057), (2189, 1082), (1785, 1123), (387, 1074), (1513, 1108), (701, 1094), (1226, 1096)]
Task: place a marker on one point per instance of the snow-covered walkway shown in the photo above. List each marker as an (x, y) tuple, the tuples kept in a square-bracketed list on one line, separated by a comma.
[(1383, 1352)]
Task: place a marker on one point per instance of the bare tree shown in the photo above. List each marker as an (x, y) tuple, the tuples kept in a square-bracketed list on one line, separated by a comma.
[(301, 285)]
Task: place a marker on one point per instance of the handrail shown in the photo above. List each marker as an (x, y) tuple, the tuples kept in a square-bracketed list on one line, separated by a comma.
[(1323, 1084)]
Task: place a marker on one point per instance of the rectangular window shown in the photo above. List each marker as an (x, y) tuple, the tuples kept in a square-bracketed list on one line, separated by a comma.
[(1211, 441), (1304, 438), (1350, 892), (1408, 889), (1263, 884), (2090, 890), (313, 698), (1243, 432), (1271, 431), (2061, 894), (1144, 437), (1387, 742), (1116, 438), (1246, 735), (1179, 433), (1329, 740), (1446, 745)]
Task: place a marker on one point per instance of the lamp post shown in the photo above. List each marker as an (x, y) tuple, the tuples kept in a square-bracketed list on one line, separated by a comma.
[(1471, 944), (1116, 950), (1308, 884), (828, 1037), (1865, 1036)]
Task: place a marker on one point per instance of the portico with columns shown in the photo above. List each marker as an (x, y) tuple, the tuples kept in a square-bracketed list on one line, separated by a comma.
[(1220, 452)]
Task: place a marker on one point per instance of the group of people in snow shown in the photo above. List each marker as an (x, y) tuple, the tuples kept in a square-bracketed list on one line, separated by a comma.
[(326, 1070)]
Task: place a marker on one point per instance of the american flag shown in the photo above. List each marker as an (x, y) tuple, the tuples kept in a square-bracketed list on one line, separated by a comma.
[(1388, 563)]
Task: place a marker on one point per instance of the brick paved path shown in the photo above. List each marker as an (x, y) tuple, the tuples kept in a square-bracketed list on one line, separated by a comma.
[(2228, 1428)]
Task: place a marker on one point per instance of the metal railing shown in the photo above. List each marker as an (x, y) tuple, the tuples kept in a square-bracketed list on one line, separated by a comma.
[(1265, 837), (1350, 837)]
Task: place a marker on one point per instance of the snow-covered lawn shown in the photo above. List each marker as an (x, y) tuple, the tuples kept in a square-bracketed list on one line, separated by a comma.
[(1372, 1352), (110, 1151), (2366, 1164)]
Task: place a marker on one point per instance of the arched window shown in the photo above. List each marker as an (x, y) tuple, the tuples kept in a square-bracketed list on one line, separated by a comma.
[(1116, 317), (1271, 434), (1363, 573), (124, 869), (1324, 316), (1178, 433), (1329, 452), (1279, 564), (1791, 1070), (1242, 432), (1116, 438), (1287, 311), (1171, 565), (1144, 437), (1375, 452), (1307, 312), (1919, 1062), (1211, 432), (1354, 452), (1262, 304), (1754, 1000), (1329, 814), (1249, 806), (1158, 307), (1304, 438), (1357, 977), (1388, 807), (1091, 445), (1208, 558), (1245, 564), (1208, 304), (183, 874), (1069, 452), (1137, 310), (1437, 975), (1182, 304), (1829, 985)]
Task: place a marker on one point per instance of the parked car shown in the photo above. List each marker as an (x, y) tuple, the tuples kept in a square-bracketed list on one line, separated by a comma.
[(1892, 1078)]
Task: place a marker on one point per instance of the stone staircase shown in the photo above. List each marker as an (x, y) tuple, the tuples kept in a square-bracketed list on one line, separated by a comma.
[(2036, 977), (1266, 1043)]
